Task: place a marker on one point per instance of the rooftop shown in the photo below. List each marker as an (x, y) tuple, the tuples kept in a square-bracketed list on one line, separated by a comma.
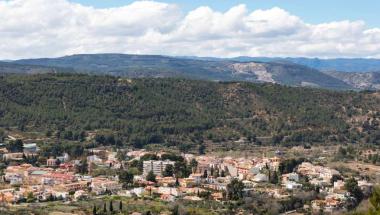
[(30, 145), (39, 172)]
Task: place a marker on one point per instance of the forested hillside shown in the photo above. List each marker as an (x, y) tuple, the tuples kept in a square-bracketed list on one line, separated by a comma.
[(177, 111), (151, 66)]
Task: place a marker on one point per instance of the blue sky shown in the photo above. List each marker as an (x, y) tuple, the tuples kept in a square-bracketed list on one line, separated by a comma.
[(311, 11)]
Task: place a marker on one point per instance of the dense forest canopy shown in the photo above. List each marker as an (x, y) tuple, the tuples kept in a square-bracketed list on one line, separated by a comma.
[(175, 111)]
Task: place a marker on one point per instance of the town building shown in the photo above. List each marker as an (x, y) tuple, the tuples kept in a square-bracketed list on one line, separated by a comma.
[(157, 167), (30, 148)]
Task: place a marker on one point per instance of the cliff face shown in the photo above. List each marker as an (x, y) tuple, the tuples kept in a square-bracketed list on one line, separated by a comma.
[(256, 69), (364, 81)]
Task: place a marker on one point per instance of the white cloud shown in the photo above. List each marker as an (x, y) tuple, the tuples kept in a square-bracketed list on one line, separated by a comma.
[(45, 28)]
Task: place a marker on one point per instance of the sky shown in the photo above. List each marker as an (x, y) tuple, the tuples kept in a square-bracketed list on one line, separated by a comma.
[(309, 10), (218, 28)]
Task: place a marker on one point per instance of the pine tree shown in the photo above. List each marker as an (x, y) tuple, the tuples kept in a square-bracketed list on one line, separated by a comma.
[(168, 171), (202, 149), (94, 210), (175, 210), (151, 177), (120, 206), (222, 174), (105, 208), (111, 206), (205, 174)]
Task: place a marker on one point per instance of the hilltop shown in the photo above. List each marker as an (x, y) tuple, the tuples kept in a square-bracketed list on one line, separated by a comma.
[(138, 66)]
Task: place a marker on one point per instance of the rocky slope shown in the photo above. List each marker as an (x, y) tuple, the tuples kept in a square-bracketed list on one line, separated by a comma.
[(359, 80)]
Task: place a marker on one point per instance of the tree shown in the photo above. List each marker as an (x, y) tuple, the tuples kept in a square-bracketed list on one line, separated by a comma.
[(181, 169), (120, 206), (375, 199), (222, 173), (148, 157), (15, 146), (83, 167), (121, 155), (151, 177), (172, 157), (193, 164), (50, 198), (351, 185), (184, 147), (2, 134), (287, 166), (94, 210), (205, 174), (168, 171), (110, 140), (175, 210), (205, 195), (126, 177), (105, 207), (274, 177), (202, 149), (82, 136), (100, 139), (335, 178), (111, 206), (30, 197), (235, 189)]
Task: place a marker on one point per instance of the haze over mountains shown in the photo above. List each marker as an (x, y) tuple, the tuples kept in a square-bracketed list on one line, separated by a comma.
[(342, 74)]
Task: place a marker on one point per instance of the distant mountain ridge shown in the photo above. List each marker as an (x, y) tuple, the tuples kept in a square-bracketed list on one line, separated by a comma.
[(271, 70), (359, 80), (338, 64), (8, 67)]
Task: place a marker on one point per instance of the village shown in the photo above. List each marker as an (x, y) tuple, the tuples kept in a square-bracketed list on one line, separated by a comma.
[(169, 177)]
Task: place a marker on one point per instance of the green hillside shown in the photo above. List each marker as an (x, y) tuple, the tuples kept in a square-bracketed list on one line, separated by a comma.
[(177, 111)]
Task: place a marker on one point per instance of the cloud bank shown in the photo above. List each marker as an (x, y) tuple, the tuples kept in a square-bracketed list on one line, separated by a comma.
[(45, 28)]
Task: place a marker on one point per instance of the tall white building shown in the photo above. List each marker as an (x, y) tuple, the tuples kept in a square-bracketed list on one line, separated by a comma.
[(157, 167)]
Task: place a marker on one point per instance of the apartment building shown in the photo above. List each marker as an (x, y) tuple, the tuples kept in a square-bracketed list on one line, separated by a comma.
[(157, 167)]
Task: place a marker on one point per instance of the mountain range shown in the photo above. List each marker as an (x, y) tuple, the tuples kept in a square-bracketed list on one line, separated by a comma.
[(338, 64), (340, 74)]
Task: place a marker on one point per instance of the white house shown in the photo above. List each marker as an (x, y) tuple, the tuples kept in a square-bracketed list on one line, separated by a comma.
[(80, 194), (169, 191), (291, 185), (94, 159), (15, 180), (293, 177), (260, 178), (338, 185)]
